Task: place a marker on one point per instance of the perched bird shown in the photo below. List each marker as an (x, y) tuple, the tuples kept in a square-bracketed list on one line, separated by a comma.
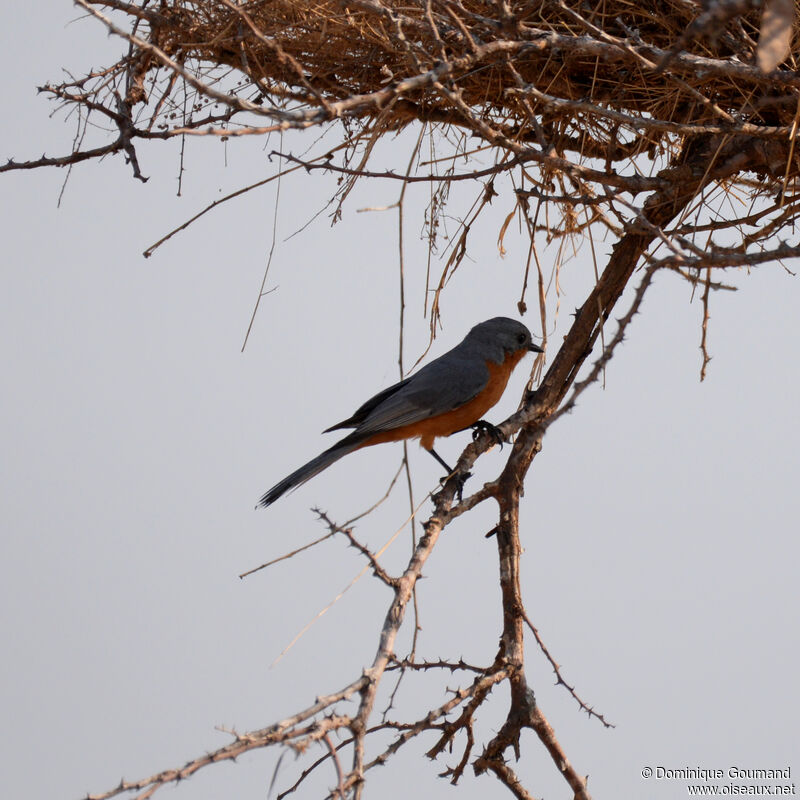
[(450, 394)]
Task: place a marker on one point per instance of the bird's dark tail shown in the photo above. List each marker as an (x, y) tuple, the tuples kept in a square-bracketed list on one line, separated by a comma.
[(314, 467)]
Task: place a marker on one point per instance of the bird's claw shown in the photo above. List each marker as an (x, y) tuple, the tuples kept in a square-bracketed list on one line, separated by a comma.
[(482, 425), (461, 479)]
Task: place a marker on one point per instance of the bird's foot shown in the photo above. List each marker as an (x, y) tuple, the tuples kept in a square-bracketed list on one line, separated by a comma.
[(461, 479), (482, 425)]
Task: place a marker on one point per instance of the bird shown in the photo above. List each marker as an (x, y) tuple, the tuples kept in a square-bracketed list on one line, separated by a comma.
[(448, 395)]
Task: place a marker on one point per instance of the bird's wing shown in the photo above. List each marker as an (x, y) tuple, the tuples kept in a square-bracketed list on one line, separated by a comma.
[(441, 386), (363, 411)]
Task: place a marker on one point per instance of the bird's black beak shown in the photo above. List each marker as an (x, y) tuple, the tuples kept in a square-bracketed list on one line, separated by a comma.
[(534, 348)]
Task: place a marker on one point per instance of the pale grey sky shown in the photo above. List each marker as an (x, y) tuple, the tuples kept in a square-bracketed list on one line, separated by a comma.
[(660, 520)]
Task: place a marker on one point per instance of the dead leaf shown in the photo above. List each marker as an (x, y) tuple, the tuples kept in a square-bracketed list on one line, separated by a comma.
[(775, 39), (503, 230)]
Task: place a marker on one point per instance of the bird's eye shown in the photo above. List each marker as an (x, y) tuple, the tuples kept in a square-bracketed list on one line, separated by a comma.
[(521, 338)]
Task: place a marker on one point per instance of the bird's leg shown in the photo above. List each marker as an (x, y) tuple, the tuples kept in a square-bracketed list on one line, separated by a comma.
[(493, 430), (462, 479), (441, 461)]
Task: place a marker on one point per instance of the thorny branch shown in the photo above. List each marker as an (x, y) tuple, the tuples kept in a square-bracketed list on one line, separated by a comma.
[(578, 109)]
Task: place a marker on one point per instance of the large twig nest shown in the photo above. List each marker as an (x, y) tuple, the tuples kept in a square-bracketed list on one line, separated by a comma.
[(654, 68)]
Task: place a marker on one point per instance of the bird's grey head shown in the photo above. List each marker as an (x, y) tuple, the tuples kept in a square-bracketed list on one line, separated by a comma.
[(508, 333)]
